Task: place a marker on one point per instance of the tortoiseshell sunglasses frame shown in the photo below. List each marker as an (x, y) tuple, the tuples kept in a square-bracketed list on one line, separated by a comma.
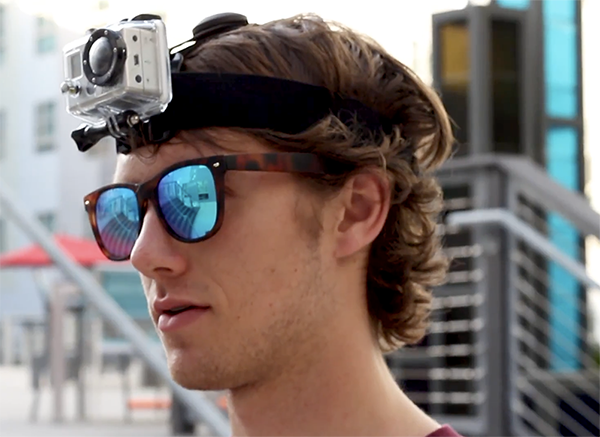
[(146, 192)]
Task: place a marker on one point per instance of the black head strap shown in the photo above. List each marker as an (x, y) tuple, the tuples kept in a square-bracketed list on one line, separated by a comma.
[(255, 102)]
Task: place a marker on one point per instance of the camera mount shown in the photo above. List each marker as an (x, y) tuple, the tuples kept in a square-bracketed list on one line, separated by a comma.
[(118, 126)]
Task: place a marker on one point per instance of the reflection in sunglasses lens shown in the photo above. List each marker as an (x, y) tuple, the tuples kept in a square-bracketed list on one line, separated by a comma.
[(118, 218), (188, 200)]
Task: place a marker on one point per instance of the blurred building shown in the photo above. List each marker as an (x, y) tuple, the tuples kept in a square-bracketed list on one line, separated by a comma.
[(38, 159), (510, 350), (508, 353), (36, 154)]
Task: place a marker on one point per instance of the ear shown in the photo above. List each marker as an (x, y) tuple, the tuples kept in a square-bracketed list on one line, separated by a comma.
[(365, 205)]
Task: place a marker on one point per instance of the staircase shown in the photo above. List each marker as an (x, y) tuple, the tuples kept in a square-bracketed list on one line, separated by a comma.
[(509, 351)]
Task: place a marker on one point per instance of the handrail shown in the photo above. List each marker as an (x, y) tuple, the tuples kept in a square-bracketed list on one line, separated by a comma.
[(533, 180), (200, 407), (526, 319), (519, 228)]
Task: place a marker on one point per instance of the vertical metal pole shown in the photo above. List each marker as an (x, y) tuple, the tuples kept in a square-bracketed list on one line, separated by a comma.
[(480, 194), (95, 328), (125, 367), (480, 95), (7, 341), (512, 300), (81, 360), (532, 87), (482, 189), (495, 271), (57, 351)]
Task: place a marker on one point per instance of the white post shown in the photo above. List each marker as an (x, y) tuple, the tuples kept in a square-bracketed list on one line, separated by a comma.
[(7, 341), (95, 348), (57, 350)]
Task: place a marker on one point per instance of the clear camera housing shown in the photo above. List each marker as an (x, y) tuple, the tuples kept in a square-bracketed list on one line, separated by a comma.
[(122, 67)]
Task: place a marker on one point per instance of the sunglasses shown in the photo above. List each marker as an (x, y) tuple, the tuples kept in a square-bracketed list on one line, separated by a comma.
[(188, 197)]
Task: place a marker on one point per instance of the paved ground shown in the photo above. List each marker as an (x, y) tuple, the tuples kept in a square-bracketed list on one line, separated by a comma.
[(75, 430), (105, 407)]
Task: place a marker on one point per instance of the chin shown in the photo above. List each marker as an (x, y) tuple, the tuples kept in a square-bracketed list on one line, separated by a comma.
[(193, 372), (195, 381), (192, 382)]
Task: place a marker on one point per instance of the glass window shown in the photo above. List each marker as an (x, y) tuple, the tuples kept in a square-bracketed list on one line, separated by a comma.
[(562, 143), (45, 126), (563, 9), (48, 219), (2, 32), (560, 58), (3, 134), (454, 75), (513, 4), (506, 104), (562, 147), (3, 241), (127, 291), (46, 35)]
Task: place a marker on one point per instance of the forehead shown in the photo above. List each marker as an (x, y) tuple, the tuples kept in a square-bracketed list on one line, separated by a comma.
[(141, 165)]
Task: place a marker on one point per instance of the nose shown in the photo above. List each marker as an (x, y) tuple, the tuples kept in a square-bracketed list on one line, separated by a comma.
[(155, 253)]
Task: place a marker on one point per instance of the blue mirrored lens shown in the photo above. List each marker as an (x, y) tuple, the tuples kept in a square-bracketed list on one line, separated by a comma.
[(118, 218), (188, 200)]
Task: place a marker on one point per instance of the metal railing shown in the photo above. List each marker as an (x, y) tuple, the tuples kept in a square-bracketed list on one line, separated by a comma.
[(499, 359), (200, 407), (545, 401)]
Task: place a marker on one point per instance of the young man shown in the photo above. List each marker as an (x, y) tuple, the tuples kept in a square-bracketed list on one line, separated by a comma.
[(284, 285)]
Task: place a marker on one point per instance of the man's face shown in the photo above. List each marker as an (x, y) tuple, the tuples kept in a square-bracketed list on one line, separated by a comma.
[(262, 274)]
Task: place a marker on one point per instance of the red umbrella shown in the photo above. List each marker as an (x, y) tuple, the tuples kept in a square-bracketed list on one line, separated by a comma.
[(83, 251)]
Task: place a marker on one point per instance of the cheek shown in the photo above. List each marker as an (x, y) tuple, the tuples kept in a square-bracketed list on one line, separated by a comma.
[(260, 250), (146, 284)]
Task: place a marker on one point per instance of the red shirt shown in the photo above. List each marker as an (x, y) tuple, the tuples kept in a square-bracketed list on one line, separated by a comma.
[(444, 431)]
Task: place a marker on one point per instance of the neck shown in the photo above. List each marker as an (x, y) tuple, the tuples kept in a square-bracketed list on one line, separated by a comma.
[(344, 388)]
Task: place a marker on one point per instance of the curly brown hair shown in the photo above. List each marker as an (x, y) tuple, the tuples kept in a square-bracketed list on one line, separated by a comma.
[(406, 259)]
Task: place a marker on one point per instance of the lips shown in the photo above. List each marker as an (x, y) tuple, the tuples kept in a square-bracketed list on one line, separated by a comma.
[(173, 321), (176, 314), (172, 305), (180, 309)]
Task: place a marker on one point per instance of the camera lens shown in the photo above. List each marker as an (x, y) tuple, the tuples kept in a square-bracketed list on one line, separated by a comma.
[(104, 57), (101, 55)]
